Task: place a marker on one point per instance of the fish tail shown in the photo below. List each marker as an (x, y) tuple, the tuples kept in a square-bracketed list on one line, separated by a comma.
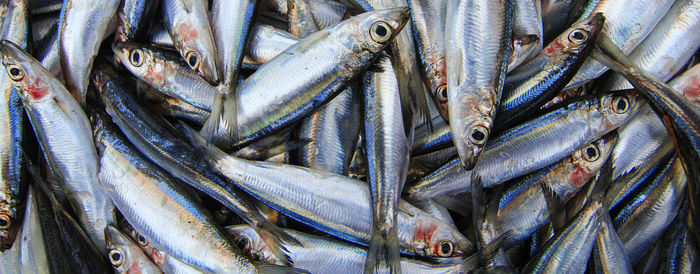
[(274, 237), (221, 128), (268, 268), (383, 250)]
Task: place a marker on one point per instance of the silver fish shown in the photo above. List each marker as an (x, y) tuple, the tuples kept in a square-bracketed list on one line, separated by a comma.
[(477, 34), (187, 22), (125, 256), (65, 137), (79, 42)]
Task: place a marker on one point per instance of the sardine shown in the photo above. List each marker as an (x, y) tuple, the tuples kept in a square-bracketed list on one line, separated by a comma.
[(79, 42), (125, 256), (134, 19), (187, 22), (527, 147), (15, 28), (477, 34), (65, 138)]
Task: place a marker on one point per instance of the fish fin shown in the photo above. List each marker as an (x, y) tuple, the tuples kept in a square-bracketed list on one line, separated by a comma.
[(383, 251), (602, 182), (274, 237), (56, 206), (608, 53), (556, 214), (221, 128), (488, 253), (276, 269)]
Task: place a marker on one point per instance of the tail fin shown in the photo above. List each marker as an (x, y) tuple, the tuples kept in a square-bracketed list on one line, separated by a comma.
[(221, 128), (276, 269), (383, 251), (273, 237)]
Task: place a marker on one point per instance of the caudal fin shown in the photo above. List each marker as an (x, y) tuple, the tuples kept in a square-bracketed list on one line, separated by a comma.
[(383, 251), (221, 129)]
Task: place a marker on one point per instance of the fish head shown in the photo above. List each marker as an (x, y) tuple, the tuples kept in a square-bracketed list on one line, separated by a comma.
[(579, 37), (581, 167), (432, 238), (470, 124), (375, 29), (253, 246), (32, 81), (195, 42), (138, 59), (618, 107), (8, 231), (119, 249), (438, 87)]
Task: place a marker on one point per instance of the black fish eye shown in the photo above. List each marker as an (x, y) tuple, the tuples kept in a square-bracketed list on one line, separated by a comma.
[(620, 105), (442, 92), (136, 57), (242, 242), (591, 153), (192, 60), (380, 32), (578, 36), (4, 222), (15, 73), (116, 258), (478, 134), (445, 249)]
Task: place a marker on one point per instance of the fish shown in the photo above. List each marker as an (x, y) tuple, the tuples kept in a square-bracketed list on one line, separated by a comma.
[(78, 42), (528, 38), (537, 81), (680, 117), (428, 21), (13, 124), (387, 152), (161, 142), (207, 249), (512, 154), (64, 136), (187, 22), (134, 19), (477, 34), (420, 234), (125, 256), (231, 22), (28, 254)]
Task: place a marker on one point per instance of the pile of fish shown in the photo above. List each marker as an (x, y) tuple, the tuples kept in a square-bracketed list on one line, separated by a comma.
[(348, 136)]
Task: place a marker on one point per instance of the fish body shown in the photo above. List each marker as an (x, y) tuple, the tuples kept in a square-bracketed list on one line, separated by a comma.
[(477, 34), (134, 19), (187, 22), (79, 42), (65, 138), (512, 154), (15, 28), (195, 239)]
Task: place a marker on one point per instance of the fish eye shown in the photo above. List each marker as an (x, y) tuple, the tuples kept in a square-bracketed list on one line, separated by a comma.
[(192, 59), (442, 92), (242, 242), (116, 258), (578, 36), (5, 222), (591, 153), (478, 134), (136, 57), (380, 32), (620, 104), (445, 248), (142, 241), (15, 72)]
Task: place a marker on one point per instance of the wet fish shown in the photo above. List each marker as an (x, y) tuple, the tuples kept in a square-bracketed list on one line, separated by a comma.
[(134, 19), (187, 22), (79, 42), (477, 37), (15, 28), (512, 154), (65, 138), (125, 256)]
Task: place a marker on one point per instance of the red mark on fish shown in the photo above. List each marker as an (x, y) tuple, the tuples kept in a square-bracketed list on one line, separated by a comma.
[(578, 176), (35, 91), (187, 32), (424, 233), (692, 90)]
